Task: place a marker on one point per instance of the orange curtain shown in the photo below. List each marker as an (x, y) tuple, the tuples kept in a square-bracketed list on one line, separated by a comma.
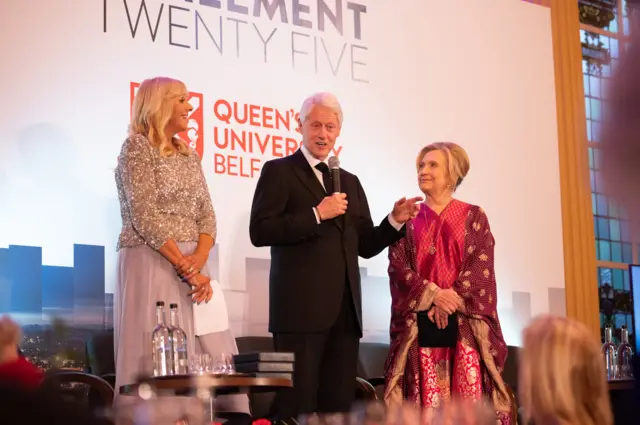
[(577, 219)]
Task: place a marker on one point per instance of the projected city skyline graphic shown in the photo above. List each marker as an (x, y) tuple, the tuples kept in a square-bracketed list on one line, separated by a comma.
[(34, 293)]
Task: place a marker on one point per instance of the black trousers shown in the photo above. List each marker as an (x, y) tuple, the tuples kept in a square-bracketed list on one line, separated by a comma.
[(325, 366)]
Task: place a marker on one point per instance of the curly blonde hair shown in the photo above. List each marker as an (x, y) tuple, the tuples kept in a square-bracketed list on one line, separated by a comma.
[(152, 110)]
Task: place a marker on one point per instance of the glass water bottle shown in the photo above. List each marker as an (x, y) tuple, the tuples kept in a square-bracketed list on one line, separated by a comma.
[(178, 343), (609, 354), (161, 344), (625, 356)]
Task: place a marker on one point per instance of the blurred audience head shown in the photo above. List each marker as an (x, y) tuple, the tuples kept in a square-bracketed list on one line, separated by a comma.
[(10, 336), (562, 378)]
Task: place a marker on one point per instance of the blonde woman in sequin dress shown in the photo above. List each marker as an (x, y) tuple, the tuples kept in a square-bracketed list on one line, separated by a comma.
[(168, 230), (444, 264)]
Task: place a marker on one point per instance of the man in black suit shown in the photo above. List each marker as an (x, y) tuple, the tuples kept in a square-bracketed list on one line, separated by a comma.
[(315, 308)]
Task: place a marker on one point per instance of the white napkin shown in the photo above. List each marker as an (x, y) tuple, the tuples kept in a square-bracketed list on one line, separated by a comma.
[(212, 316)]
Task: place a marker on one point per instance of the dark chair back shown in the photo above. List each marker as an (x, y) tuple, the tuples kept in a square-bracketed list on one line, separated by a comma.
[(510, 376), (260, 402), (510, 372), (371, 359), (365, 392), (81, 387), (100, 353)]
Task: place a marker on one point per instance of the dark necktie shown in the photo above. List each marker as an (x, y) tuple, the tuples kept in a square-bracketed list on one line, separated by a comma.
[(326, 177)]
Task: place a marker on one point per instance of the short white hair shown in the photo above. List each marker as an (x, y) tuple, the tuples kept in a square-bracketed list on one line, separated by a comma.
[(325, 99)]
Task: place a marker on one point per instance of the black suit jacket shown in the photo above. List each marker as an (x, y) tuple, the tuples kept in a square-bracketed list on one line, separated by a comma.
[(310, 261)]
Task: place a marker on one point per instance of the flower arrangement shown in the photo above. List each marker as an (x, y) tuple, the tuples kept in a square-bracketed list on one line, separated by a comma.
[(597, 13), (594, 53)]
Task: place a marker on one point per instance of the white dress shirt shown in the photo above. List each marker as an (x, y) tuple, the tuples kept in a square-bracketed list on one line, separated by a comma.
[(313, 161)]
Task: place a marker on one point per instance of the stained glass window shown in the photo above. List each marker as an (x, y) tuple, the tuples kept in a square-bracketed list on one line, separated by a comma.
[(604, 26)]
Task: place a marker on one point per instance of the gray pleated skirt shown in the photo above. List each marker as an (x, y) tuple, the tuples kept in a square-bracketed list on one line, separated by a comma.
[(144, 277)]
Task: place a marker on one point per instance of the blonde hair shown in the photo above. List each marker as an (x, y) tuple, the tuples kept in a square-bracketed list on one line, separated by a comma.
[(457, 161), (152, 110), (561, 373)]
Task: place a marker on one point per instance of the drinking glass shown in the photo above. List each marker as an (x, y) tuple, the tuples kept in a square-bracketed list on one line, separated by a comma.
[(223, 364)]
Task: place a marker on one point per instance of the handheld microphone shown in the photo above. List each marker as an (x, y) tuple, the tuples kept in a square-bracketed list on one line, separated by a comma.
[(334, 171)]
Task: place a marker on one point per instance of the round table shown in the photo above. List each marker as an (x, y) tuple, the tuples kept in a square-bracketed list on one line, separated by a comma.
[(220, 384), (622, 384)]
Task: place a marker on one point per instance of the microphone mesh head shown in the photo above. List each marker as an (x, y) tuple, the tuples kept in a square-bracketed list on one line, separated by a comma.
[(334, 162)]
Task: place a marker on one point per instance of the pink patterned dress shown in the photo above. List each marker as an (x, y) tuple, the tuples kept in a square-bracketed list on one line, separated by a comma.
[(453, 249)]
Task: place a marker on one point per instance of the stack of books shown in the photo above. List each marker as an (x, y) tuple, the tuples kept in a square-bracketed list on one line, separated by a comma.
[(265, 365)]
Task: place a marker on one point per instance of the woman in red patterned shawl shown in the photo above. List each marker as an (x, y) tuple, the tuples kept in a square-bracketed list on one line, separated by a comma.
[(444, 265)]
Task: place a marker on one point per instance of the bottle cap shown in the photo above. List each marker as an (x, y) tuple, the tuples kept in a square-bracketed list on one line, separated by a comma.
[(173, 305), (159, 303)]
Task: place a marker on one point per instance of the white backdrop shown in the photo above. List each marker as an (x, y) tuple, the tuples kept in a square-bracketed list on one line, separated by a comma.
[(407, 73)]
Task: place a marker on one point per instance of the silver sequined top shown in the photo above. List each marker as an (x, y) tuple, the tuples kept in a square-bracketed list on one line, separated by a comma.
[(161, 198)]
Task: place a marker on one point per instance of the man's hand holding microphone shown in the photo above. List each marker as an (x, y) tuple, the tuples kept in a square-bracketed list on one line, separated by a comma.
[(332, 206)]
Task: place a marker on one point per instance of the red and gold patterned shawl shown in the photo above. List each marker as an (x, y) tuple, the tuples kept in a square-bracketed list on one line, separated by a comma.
[(478, 324)]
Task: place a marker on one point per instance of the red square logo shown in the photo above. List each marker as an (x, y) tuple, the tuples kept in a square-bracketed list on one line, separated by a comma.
[(194, 135)]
